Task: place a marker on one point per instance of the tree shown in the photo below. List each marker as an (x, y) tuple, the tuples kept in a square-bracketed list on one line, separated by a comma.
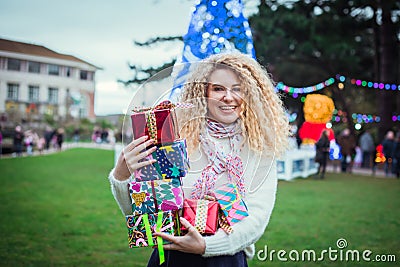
[(388, 56), (304, 42), (140, 75)]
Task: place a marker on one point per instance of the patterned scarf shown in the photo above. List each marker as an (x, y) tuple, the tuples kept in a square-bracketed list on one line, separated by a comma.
[(218, 160)]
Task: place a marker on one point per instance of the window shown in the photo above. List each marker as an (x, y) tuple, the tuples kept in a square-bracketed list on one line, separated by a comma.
[(68, 72), (12, 91), (53, 95), (14, 64), (54, 70), (84, 75), (33, 94), (34, 67)]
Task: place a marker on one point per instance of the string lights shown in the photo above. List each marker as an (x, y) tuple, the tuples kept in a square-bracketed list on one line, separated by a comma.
[(295, 91), (340, 79), (338, 115)]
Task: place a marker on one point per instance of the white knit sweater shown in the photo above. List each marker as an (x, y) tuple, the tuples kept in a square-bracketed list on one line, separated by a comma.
[(261, 183)]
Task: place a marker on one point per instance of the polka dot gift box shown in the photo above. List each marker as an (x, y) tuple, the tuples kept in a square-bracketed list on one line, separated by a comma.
[(172, 162)]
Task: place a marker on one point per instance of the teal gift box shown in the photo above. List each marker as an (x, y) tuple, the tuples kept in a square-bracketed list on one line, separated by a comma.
[(171, 162)]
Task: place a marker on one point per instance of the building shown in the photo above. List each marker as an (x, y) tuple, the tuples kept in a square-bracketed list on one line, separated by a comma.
[(36, 81)]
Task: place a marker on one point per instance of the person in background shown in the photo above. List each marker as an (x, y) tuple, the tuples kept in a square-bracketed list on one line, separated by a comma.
[(357, 157), (347, 145), (28, 140), (322, 153), (1, 141), (237, 117), (388, 148), (367, 146), (18, 140), (41, 144), (48, 136), (60, 138), (396, 155), (104, 136)]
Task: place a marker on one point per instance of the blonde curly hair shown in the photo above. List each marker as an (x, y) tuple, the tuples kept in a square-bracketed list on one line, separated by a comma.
[(262, 117)]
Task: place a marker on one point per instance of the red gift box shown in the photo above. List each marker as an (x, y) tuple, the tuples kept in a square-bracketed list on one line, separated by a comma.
[(158, 123), (202, 214)]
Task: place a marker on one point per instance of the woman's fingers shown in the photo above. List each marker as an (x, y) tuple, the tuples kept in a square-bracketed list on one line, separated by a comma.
[(132, 157), (138, 150), (144, 163), (142, 149), (192, 242), (136, 155), (166, 237), (186, 224), (135, 143)]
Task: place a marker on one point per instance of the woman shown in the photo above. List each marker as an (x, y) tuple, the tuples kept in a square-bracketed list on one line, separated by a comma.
[(322, 152), (234, 132)]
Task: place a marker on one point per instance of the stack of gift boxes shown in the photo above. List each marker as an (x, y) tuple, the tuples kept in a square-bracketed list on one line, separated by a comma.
[(156, 190)]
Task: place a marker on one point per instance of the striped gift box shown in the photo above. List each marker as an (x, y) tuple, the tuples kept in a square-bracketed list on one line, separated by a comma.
[(231, 203)]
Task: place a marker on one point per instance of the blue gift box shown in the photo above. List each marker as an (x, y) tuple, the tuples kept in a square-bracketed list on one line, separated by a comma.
[(172, 162)]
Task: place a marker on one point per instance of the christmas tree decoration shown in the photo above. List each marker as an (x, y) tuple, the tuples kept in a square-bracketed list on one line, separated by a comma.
[(215, 27)]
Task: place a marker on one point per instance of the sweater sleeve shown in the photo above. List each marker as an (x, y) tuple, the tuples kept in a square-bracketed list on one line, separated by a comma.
[(120, 191), (245, 233)]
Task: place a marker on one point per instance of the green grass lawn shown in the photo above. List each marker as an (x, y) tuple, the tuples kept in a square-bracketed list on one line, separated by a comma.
[(57, 210)]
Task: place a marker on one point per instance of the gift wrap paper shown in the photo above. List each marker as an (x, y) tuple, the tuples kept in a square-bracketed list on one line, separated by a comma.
[(141, 228), (202, 214), (160, 125), (172, 162), (231, 203), (154, 196)]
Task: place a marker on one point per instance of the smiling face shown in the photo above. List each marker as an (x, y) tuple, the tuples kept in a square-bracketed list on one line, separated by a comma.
[(224, 96)]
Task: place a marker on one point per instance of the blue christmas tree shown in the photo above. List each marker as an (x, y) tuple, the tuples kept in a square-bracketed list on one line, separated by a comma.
[(215, 27)]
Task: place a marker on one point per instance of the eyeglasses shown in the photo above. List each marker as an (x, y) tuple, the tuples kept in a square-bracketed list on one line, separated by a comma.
[(220, 90)]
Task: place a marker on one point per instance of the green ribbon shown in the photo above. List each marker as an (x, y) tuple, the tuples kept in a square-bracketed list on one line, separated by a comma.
[(159, 239), (149, 234), (147, 227)]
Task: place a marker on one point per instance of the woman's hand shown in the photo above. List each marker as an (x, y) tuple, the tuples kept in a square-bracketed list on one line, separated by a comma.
[(128, 160), (192, 242)]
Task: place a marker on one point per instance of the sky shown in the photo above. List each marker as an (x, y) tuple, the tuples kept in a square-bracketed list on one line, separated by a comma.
[(101, 33)]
